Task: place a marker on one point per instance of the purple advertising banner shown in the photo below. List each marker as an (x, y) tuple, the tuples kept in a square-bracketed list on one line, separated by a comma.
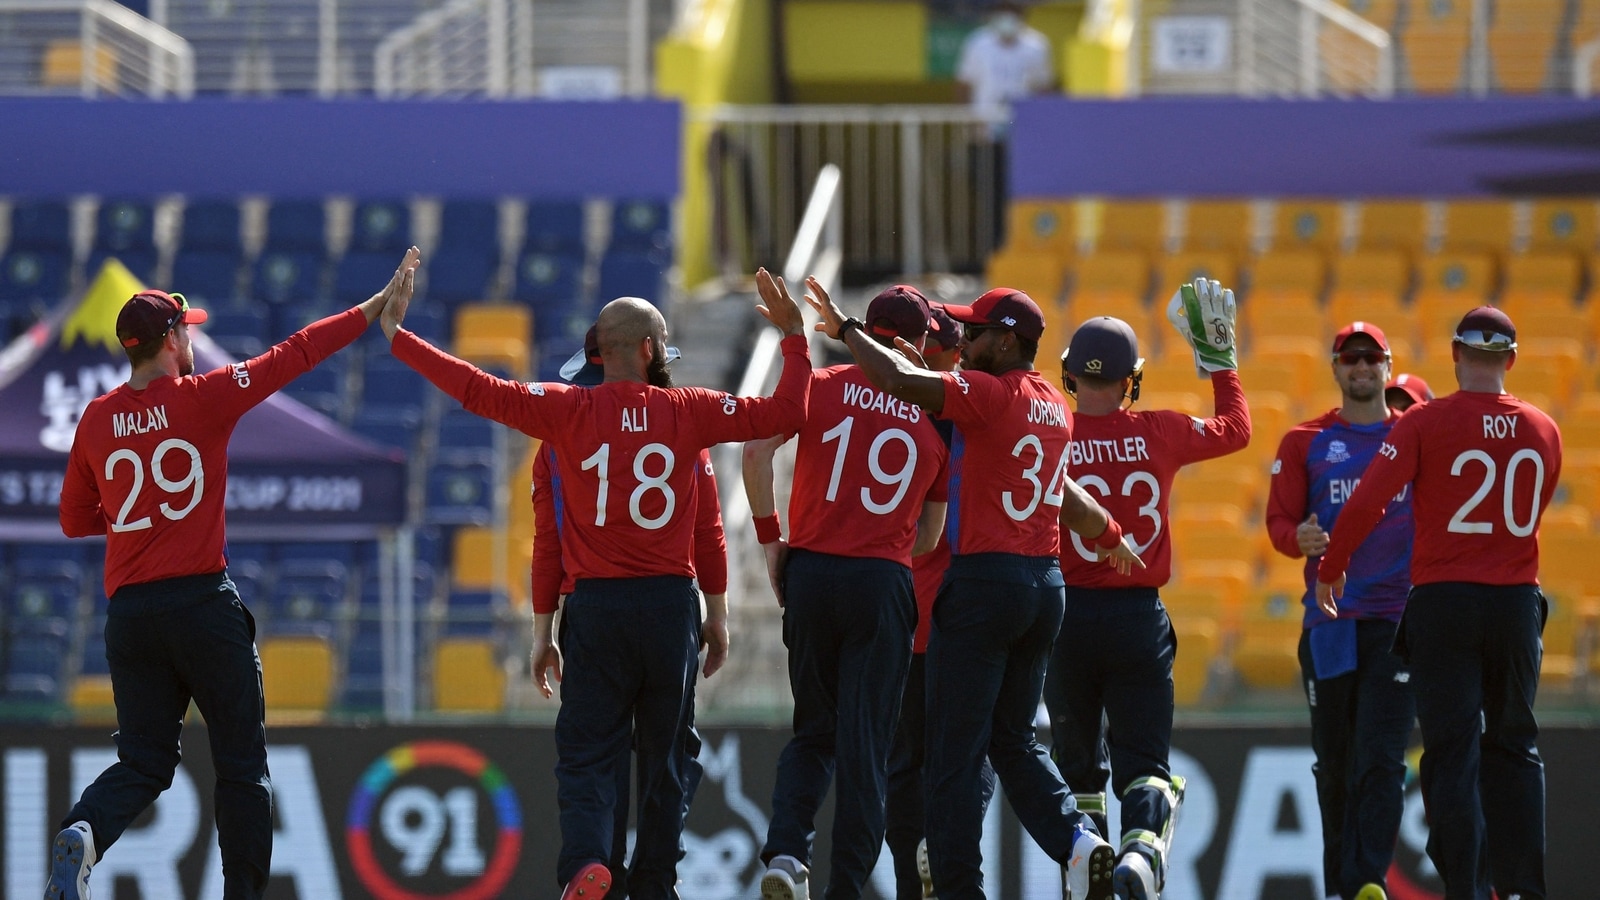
[(1333, 148), (308, 148)]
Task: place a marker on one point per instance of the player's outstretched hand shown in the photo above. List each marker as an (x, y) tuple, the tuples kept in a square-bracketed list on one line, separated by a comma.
[(545, 656), (776, 305), (832, 318), (1328, 596), (1123, 558), (1205, 313), (714, 638), (390, 305)]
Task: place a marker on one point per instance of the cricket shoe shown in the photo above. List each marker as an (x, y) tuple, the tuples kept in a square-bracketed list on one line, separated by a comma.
[(925, 870), (1089, 867), (591, 883), (785, 879), (1133, 878), (72, 855)]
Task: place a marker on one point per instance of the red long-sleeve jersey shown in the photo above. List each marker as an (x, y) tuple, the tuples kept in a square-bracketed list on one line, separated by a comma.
[(550, 578), (1482, 467), (1127, 460), (149, 468), (624, 450)]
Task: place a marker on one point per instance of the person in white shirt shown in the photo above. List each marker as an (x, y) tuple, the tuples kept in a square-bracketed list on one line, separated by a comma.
[(1001, 62)]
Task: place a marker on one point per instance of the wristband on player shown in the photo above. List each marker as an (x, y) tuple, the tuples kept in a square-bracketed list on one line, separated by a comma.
[(848, 324), (1111, 537), (767, 529)]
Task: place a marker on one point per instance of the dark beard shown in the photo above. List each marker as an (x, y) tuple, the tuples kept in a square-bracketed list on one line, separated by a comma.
[(1364, 394), (657, 373)]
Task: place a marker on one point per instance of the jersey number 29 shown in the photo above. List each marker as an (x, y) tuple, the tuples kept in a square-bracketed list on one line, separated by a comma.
[(196, 479)]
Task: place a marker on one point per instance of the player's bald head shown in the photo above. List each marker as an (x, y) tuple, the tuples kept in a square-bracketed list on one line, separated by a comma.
[(626, 321)]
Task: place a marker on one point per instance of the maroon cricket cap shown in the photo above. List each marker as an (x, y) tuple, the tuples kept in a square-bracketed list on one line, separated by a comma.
[(149, 315), (1412, 386), (944, 331), (1005, 307), (898, 311), (1355, 328), (1487, 328)]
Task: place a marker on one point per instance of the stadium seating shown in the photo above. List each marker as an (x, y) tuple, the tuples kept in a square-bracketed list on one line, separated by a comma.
[(464, 265), (554, 226), (1131, 225), (499, 334), (297, 673), (467, 676), (1522, 42), (1315, 226), (629, 272), (125, 229), (1265, 653), (1224, 227), (641, 226), (1434, 45)]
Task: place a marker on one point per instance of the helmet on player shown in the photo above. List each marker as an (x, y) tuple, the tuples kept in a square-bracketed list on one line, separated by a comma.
[(1103, 347), (585, 367)]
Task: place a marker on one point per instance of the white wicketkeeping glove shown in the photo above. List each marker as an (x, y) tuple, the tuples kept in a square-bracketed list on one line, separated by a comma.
[(1204, 312)]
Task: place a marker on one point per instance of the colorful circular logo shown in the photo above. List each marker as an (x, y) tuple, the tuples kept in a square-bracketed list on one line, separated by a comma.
[(430, 832)]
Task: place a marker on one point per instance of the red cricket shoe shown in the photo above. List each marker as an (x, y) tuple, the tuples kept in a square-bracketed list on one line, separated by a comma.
[(591, 883)]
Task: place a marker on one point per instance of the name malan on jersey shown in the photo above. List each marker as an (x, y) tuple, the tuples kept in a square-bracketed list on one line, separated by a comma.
[(139, 421)]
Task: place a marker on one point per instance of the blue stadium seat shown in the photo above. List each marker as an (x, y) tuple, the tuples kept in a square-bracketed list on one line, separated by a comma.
[(422, 590), (362, 273), (550, 283), (471, 613), (324, 387), (75, 552), (291, 317), (389, 427), (283, 276), (459, 275), (93, 660), (389, 383), (15, 317), (124, 226), (363, 668), (461, 431), (210, 277), (212, 225), (306, 598), (641, 225), (469, 225), (461, 491), (142, 263), (41, 225), (554, 226), (250, 578), (35, 275), (298, 225), (381, 226), (44, 595), (243, 320), (317, 552), (245, 551), (33, 669), (554, 352), (629, 274)]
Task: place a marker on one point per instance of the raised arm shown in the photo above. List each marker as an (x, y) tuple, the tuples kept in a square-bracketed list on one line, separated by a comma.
[(887, 369)]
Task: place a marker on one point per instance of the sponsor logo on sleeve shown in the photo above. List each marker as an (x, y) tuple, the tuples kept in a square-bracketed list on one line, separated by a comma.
[(241, 374)]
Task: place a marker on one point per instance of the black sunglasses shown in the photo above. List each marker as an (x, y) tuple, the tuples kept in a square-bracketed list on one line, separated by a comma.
[(1370, 357), (973, 332)]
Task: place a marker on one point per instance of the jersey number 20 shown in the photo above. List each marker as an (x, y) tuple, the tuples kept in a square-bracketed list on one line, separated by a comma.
[(1459, 523)]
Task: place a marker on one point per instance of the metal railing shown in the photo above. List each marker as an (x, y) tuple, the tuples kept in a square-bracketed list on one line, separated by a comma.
[(920, 186), (468, 47), (1583, 63), (95, 48)]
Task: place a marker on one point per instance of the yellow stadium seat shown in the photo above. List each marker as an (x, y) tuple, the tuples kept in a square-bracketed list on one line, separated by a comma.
[(1307, 225), (297, 673), (63, 65), (1392, 225), (498, 334), (1293, 377), (1199, 638), (1522, 40), (1229, 579), (1131, 225), (1218, 226), (1266, 652), (1186, 402), (1386, 311), (1043, 226), (1059, 325), (1468, 275), (1580, 432), (1178, 268), (1113, 270), (1301, 271), (473, 561), (467, 676), (1550, 273), (1567, 557), (1272, 413), (1305, 357), (1551, 319), (1194, 601), (1437, 316), (1566, 516), (1273, 317), (1040, 275), (1564, 224), (1569, 613), (91, 700), (1435, 45), (1482, 226), (1372, 273), (1378, 12), (1579, 487), (1437, 370), (832, 42), (1285, 574), (1241, 480)]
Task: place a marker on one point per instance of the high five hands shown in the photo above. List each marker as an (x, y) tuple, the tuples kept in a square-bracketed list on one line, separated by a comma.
[(777, 306), (398, 294)]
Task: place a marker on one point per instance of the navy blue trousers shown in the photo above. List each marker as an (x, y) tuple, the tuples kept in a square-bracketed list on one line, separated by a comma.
[(994, 622), (1474, 652), (848, 624), (630, 649), (1109, 692), (168, 642), (1360, 725)]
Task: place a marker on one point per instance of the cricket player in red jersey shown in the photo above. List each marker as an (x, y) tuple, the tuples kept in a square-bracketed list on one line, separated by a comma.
[(1482, 466), (631, 634), (868, 494), (1405, 391), (903, 819), (997, 615), (1109, 686), (149, 469), (551, 582)]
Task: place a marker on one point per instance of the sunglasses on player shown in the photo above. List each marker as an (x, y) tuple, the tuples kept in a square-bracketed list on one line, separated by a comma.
[(972, 332), (1353, 357), (1486, 340)]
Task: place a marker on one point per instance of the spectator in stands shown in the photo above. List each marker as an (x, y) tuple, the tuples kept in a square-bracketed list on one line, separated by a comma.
[(1405, 391), (1358, 691), (632, 629), (1483, 466), (176, 630), (1001, 62)]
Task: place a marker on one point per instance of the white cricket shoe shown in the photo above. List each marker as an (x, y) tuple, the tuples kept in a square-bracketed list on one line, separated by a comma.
[(1089, 867), (1133, 878), (785, 880), (72, 855), (925, 870)]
